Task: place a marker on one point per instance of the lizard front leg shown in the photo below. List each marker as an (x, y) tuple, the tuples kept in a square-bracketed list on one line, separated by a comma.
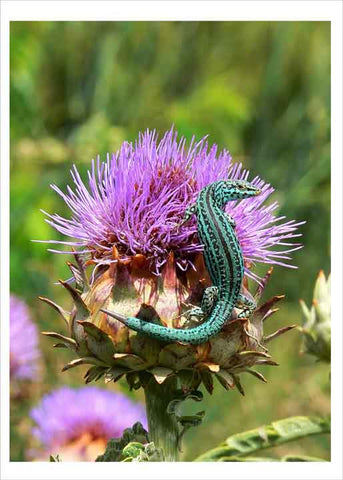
[(189, 212), (231, 220)]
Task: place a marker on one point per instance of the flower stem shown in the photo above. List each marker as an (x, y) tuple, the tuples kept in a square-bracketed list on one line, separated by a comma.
[(163, 427)]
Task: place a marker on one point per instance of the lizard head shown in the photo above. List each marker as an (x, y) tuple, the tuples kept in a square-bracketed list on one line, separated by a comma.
[(227, 190)]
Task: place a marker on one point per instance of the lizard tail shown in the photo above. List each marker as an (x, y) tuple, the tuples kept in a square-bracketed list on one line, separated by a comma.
[(199, 334)]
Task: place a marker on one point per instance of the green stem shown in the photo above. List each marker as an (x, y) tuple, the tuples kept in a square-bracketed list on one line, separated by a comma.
[(163, 427)]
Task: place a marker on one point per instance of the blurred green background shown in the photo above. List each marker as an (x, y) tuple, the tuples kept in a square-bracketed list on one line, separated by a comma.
[(260, 89)]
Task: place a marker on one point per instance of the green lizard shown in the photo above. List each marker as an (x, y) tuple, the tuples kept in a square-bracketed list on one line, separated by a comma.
[(223, 260)]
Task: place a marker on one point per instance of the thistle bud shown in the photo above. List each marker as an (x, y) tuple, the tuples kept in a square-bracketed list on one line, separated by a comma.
[(317, 320)]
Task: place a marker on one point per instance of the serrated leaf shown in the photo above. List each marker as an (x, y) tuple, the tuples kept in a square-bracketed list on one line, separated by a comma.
[(247, 459), (277, 433), (301, 458)]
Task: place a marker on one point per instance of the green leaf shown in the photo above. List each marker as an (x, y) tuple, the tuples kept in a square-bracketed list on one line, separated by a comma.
[(247, 459), (115, 447), (277, 433), (185, 421), (54, 458), (132, 449), (301, 458), (181, 397), (137, 452)]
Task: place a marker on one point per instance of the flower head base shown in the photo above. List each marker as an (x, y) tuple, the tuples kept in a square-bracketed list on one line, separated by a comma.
[(317, 321), (77, 424), (114, 351), (24, 352), (135, 199)]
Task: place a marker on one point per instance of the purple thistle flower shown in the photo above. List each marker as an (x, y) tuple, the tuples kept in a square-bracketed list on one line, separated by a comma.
[(24, 353), (66, 415), (136, 198)]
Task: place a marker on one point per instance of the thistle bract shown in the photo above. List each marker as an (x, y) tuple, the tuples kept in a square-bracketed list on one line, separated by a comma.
[(317, 320)]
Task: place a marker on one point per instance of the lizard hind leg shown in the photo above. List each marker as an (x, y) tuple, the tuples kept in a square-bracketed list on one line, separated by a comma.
[(208, 301), (247, 304)]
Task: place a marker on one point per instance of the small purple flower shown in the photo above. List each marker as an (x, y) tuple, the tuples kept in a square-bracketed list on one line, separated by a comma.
[(136, 198), (24, 353), (67, 415)]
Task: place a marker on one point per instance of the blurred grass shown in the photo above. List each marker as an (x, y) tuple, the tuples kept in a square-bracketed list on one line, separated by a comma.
[(261, 89)]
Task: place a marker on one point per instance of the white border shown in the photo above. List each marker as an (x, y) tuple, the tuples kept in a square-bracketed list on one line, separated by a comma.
[(178, 10)]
